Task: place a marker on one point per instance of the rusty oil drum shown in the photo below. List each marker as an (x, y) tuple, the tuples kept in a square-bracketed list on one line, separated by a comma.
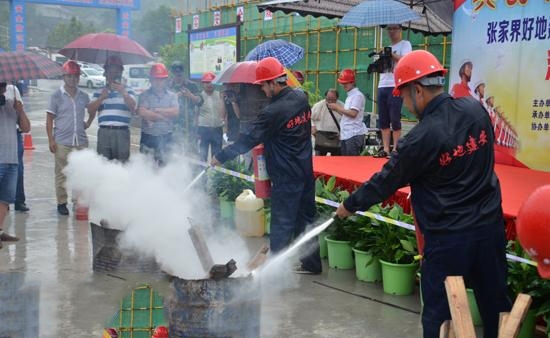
[(107, 257), (228, 307)]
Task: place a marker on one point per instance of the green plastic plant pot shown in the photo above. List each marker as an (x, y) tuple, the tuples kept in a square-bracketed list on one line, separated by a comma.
[(527, 329), (226, 208), (398, 279), (323, 251), (340, 255), (367, 273), (474, 310)]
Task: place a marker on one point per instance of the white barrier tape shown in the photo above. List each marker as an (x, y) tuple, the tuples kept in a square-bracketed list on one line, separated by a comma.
[(368, 214), (250, 178)]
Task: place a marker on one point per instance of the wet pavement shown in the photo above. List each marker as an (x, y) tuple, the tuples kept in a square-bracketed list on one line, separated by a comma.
[(48, 288)]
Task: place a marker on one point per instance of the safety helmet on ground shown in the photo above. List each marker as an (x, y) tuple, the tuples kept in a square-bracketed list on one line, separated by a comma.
[(158, 71), (208, 77), (532, 225), (176, 67), (71, 67), (417, 65), (269, 69), (160, 332), (346, 76), (113, 60)]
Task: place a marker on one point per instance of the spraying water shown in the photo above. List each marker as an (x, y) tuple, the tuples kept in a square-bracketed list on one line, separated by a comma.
[(277, 260), (196, 179)]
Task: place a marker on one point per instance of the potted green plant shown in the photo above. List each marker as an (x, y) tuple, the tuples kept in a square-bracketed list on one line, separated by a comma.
[(228, 187), (330, 191), (524, 278), (363, 239), (340, 254), (396, 248)]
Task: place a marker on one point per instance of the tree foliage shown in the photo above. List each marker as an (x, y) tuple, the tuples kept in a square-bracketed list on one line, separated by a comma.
[(154, 29), (64, 33), (174, 52)]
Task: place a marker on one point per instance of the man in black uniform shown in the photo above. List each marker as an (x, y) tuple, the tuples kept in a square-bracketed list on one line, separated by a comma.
[(447, 159), (284, 128)]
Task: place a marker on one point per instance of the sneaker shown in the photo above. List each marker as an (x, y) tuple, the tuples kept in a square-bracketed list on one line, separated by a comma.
[(4, 237), (62, 209), (22, 207), (300, 269)]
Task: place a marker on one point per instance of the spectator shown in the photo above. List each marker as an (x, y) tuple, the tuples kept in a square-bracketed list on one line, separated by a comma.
[(180, 85), (11, 115), (158, 108), (231, 99), (352, 128), (66, 127), (324, 121), (389, 106), (211, 117), (253, 100), (115, 105)]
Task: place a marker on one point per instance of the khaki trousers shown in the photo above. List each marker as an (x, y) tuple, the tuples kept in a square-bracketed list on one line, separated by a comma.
[(61, 155)]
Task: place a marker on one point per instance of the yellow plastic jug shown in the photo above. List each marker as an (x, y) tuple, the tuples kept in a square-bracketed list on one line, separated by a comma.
[(249, 214)]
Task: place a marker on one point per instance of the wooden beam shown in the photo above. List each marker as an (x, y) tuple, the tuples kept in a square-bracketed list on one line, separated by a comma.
[(199, 242), (514, 320), (446, 330), (463, 325), (502, 319)]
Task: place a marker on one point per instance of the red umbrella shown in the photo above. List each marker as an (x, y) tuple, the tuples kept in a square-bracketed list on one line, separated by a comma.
[(96, 47), (240, 72), (26, 65)]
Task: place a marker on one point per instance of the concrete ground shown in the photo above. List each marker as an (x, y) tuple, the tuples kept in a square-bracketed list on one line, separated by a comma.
[(48, 289)]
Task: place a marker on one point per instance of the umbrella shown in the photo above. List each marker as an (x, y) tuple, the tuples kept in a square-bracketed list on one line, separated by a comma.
[(245, 72), (96, 47), (240, 72), (26, 65), (287, 53), (379, 12)]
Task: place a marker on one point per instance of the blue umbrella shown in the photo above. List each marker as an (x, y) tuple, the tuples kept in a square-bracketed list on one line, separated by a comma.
[(287, 53), (379, 12)]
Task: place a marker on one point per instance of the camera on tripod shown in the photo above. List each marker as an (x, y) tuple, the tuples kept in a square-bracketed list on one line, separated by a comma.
[(383, 62)]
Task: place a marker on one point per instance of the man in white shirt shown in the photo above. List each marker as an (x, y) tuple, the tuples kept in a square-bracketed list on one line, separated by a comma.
[(389, 107), (323, 121), (352, 128)]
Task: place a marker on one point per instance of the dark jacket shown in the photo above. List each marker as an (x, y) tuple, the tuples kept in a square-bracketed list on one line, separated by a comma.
[(285, 130), (448, 160)]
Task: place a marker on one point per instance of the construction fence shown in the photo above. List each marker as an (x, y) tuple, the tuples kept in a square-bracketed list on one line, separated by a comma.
[(328, 48)]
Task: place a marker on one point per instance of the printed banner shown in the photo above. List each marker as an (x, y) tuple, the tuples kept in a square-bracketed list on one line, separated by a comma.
[(212, 50), (501, 57), (240, 13), (196, 21)]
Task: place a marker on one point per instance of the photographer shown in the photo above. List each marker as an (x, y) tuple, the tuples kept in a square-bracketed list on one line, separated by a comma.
[(389, 107), (115, 106), (231, 100)]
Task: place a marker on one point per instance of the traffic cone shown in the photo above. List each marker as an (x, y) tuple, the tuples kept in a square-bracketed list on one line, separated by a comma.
[(27, 141), (81, 212)]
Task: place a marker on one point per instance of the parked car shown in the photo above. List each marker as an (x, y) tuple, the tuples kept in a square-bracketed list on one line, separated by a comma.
[(91, 78), (136, 77)]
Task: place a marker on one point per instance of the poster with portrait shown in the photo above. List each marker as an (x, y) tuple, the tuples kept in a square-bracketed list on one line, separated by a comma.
[(501, 57)]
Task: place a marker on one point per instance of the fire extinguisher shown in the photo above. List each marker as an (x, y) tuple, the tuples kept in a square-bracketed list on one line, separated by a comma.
[(262, 184)]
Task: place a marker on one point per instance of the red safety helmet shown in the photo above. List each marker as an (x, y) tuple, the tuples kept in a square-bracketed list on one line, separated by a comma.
[(533, 227), (346, 76), (71, 68), (158, 71), (268, 69), (414, 66), (113, 60), (208, 77), (160, 332)]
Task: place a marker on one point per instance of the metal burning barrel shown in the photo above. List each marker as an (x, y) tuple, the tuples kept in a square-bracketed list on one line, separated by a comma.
[(227, 307), (107, 257)]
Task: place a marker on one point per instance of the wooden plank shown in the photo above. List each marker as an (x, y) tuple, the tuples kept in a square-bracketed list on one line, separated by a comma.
[(502, 319), (446, 330), (463, 325), (514, 320), (199, 242), (259, 258)]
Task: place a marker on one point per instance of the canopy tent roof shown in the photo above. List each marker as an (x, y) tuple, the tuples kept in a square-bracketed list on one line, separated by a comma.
[(436, 15)]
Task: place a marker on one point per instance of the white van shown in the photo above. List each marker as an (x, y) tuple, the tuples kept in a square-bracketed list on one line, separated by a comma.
[(136, 77)]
